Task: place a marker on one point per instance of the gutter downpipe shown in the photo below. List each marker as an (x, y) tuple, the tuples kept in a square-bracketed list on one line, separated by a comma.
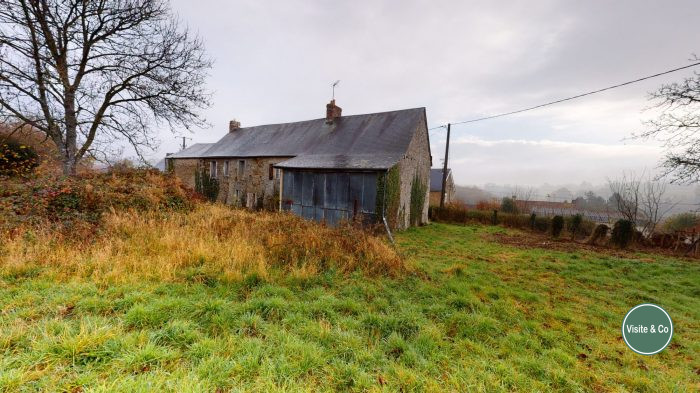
[(386, 225)]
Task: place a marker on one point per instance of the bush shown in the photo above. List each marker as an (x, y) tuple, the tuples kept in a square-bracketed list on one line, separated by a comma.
[(681, 222), (508, 205), (557, 225), (17, 159), (575, 224), (542, 223), (599, 232), (622, 233), (81, 200), (515, 220), (486, 205), (461, 214)]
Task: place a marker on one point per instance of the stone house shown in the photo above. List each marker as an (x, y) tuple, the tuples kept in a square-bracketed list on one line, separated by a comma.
[(436, 187), (371, 167)]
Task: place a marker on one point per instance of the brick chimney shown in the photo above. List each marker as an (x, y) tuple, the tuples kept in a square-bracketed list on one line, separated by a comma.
[(332, 112), (233, 125)]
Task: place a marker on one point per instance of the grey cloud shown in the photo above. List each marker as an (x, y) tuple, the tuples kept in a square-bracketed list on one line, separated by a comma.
[(461, 59)]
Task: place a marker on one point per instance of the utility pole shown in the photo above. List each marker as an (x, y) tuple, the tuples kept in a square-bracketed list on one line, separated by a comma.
[(444, 169)]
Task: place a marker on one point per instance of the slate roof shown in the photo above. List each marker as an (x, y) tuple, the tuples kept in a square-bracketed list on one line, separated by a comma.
[(194, 151), (436, 178), (370, 141)]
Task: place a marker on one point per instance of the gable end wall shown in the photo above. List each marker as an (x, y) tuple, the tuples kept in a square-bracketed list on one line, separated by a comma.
[(416, 161)]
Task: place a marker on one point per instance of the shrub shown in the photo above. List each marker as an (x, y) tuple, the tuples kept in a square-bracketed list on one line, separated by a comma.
[(599, 232), (81, 200), (456, 213), (508, 205), (17, 159), (622, 233), (681, 222), (515, 220), (587, 227), (575, 224), (557, 225), (486, 205), (542, 224)]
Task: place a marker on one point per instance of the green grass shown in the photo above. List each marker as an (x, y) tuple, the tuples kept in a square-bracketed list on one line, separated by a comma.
[(479, 316)]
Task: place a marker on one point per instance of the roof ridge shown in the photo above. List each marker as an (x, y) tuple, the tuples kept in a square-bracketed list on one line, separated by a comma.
[(324, 119)]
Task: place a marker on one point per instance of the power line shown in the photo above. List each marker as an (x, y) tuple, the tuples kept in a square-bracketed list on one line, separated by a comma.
[(570, 98)]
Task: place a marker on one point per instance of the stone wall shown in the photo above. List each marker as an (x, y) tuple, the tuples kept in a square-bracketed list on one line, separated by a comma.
[(185, 168), (253, 187), (417, 161)]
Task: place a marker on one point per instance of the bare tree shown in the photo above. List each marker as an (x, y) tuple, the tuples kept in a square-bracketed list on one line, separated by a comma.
[(640, 201), (524, 193), (653, 207), (522, 197), (89, 73), (626, 195), (678, 127)]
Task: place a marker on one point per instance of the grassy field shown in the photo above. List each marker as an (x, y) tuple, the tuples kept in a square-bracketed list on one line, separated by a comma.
[(474, 314)]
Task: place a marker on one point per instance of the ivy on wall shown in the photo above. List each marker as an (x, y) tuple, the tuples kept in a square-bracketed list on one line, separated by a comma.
[(389, 192), (206, 185), (418, 190)]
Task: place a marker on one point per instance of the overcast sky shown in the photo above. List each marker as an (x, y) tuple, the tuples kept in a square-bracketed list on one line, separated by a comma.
[(275, 62)]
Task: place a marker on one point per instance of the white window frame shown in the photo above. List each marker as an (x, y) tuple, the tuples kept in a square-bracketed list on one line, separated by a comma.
[(226, 163), (241, 168), (212, 169)]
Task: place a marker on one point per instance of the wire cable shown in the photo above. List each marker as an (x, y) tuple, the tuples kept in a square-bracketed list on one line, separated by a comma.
[(570, 98)]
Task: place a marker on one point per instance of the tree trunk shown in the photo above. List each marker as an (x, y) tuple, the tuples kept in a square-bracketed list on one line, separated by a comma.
[(70, 148), (69, 161)]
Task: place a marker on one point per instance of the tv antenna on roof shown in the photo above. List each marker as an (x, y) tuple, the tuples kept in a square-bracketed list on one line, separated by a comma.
[(334, 85), (184, 145)]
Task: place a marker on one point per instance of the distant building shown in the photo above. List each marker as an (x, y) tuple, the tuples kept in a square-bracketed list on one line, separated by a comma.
[(328, 169), (549, 209), (436, 186)]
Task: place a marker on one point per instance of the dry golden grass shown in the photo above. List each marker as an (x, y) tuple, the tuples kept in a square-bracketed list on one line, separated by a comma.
[(209, 242)]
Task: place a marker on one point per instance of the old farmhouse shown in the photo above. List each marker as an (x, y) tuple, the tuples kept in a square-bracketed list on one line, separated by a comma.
[(371, 167), (436, 187)]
